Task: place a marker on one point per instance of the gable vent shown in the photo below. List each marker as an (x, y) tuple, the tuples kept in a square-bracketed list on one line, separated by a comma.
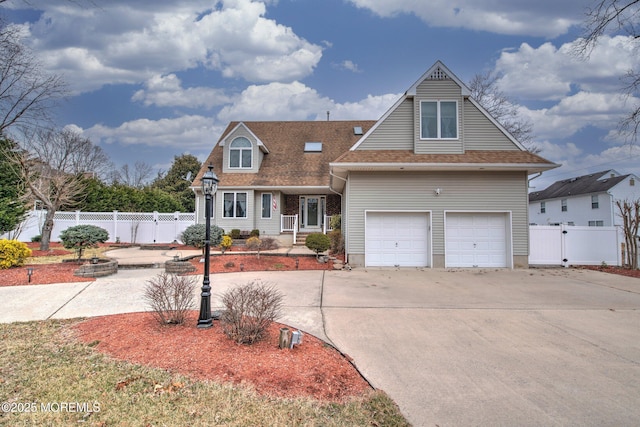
[(438, 74)]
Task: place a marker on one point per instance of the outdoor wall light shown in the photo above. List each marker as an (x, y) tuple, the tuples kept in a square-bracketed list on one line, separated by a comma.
[(29, 273), (437, 191), (209, 186)]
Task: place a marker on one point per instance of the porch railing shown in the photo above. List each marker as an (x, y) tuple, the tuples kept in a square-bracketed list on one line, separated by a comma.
[(289, 223), (326, 226)]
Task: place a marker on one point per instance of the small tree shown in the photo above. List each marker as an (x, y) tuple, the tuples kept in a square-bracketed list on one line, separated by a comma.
[(629, 211), (318, 242), (254, 244), (81, 237)]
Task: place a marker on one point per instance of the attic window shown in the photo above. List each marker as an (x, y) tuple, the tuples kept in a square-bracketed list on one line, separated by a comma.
[(313, 147), (357, 130)]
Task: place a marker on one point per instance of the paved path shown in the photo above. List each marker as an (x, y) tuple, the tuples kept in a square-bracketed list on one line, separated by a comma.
[(466, 347)]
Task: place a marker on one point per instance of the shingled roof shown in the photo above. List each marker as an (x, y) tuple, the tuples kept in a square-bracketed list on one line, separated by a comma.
[(593, 183), (287, 164)]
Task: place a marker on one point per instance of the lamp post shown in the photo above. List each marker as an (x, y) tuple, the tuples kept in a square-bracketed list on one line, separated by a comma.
[(209, 186)]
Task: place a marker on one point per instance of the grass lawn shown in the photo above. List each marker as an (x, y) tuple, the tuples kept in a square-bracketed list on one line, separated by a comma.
[(49, 378)]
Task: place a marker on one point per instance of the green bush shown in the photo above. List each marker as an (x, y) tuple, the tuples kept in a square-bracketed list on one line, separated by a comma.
[(13, 253), (336, 222), (254, 233), (37, 239), (194, 235), (235, 234), (81, 237), (318, 242)]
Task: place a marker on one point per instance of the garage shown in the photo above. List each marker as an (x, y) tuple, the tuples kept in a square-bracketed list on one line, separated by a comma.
[(397, 239), (476, 239)]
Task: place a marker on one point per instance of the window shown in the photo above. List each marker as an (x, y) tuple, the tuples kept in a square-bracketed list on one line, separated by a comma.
[(563, 203), (597, 223), (543, 207), (266, 205), (240, 152), (235, 205), (594, 202), (439, 120), (632, 182)]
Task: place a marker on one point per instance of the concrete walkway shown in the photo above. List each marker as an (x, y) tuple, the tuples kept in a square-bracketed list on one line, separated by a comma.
[(451, 347)]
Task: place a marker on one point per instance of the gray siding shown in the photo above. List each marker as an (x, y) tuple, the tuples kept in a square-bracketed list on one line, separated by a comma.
[(491, 191), (395, 132), (481, 134), (438, 90), (267, 227)]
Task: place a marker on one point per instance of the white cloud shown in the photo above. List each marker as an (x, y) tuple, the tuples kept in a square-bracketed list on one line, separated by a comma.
[(167, 91), (347, 65), (296, 101), (546, 18), (550, 73), (130, 42), (192, 132)]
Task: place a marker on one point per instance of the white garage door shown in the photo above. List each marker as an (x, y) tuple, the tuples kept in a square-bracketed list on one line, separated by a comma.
[(396, 239), (476, 240)]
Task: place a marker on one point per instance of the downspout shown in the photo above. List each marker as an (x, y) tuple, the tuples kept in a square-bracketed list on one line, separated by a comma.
[(531, 179)]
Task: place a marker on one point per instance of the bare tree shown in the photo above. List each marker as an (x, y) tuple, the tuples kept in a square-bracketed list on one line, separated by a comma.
[(484, 89), (52, 168), (27, 93), (616, 17), (136, 177), (629, 211)]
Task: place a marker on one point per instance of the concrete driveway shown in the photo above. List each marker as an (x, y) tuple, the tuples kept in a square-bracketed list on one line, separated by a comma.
[(466, 347), (493, 347)]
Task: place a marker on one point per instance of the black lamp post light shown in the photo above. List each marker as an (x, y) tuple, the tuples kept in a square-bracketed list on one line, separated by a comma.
[(209, 186)]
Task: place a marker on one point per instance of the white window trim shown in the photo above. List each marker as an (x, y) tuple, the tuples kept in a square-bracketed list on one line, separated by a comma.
[(241, 149), (235, 200), (438, 120), (262, 205)]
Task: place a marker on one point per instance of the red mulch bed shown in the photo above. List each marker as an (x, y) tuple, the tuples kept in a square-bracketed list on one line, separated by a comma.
[(231, 262), (311, 369), (613, 270)]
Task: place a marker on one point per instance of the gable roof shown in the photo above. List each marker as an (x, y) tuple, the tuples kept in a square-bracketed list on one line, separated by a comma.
[(287, 164), (586, 184)]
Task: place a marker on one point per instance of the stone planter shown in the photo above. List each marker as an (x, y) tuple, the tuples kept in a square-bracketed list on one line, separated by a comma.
[(103, 267), (178, 267)]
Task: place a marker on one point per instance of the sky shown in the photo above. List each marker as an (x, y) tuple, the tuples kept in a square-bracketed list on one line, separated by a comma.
[(154, 79)]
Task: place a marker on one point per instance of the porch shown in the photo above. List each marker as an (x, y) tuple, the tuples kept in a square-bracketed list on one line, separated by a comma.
[(291, 224)]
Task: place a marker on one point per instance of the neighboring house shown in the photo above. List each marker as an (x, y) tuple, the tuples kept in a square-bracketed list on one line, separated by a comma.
[(436, 182), (587, 200)]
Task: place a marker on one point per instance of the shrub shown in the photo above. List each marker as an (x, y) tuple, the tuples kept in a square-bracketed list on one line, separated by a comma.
[(194, 235), (318, 242), (171, 297), (225, 243), (336, 222), (254, 244), (81, 237), (249, 310), (254, 233), (337, 241), (268, 243), (235, 234), (37, 238), (13, 253)]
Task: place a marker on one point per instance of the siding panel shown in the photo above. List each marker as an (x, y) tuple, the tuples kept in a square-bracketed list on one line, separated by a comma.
[(481, 134), (490, 191), (395, 132)]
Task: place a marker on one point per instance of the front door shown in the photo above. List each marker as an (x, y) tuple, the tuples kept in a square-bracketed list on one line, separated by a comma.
[(311, 212)]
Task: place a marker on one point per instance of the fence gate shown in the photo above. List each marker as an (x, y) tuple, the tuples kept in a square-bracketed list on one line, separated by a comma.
[(573, 245)]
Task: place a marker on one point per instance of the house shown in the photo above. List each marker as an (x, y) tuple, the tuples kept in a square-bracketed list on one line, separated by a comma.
[(435, 182), (587, 200)]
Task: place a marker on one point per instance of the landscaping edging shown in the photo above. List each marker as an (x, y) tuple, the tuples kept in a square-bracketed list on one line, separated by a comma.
[(104, 267), (179, 267)]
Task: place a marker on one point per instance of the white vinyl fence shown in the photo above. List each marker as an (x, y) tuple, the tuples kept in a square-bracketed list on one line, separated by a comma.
[(125, 227), (573, 245)]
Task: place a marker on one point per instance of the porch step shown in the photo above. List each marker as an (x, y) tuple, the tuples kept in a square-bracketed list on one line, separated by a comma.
[(301, 239)]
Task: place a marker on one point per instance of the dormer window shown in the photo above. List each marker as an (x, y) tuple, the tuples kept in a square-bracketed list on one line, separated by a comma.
[(240, 154)]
